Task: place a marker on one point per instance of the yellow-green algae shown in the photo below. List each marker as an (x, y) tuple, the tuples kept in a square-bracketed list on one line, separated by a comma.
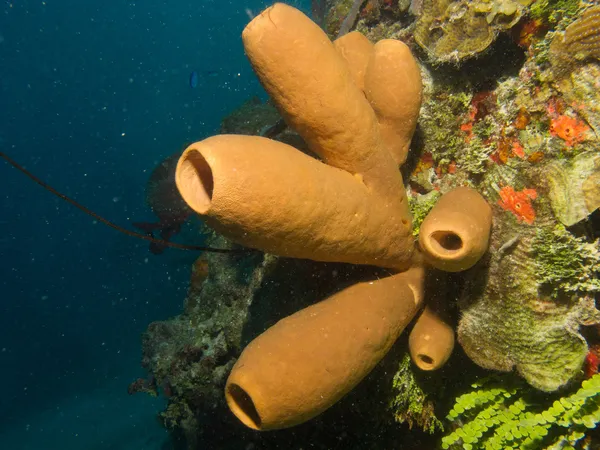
[(503, 413)]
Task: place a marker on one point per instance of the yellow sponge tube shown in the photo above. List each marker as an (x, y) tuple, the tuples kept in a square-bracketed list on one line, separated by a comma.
[(267, 195), (456, 232), (308, 361)]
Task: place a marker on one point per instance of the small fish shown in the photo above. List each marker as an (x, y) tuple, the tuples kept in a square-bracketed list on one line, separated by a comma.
[(194, 78), (508, 245)]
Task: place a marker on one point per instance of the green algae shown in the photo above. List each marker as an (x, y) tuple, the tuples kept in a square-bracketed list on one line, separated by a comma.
[(410, 403), (503, 413), (566, 264), (420, 207), (553, 11)]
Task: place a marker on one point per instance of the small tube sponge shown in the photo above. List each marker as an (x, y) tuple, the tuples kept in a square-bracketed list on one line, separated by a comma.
[(308, 361), (431, 341), (456, 233)]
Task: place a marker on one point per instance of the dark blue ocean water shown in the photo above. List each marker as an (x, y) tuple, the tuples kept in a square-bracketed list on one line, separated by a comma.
[(93, 94)]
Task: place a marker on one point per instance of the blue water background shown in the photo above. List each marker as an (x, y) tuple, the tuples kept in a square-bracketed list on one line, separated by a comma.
[(93, 94)]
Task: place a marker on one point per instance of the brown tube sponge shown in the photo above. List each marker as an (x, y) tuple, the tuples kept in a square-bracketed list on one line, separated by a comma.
[(265, 194), (455, 234), (308, 361), (431, 341), (394, 89), (314, 90), (356, 50)]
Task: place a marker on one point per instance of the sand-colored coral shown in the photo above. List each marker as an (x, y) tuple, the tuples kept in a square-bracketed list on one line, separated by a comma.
[(322, 213), (573, 187), (394, 90), (356, 50), (580, 41)]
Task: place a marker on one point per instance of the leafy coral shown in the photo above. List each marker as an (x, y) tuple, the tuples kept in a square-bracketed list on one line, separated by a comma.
[(566, 263), (501, 415), (410, 403), (511, 326)]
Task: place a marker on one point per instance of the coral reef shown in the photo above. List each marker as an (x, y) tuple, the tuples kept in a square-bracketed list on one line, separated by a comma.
[(566, 264), (514, 323), (191, 355), (553, 11), (573, 202), (527, 142), (520, 125)]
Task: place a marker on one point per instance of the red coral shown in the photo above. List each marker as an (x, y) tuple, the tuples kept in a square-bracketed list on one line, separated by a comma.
[(528, 32), (568, 129), (592, 361), (507, 148), (518, 203), (482, 104)]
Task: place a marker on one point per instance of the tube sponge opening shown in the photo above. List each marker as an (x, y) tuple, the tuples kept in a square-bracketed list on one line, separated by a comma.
[(242, 406), (456, 232), (195, 181), (447, 241), (425, 360)]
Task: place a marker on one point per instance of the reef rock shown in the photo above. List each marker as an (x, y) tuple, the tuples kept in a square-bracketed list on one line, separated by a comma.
[(450, 31), (574, 187), (508, 326)]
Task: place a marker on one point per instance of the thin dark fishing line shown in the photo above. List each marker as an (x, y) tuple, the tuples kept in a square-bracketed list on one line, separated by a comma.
[(89, 212)]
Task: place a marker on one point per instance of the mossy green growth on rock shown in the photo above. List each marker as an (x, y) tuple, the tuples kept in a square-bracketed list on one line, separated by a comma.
[(440, 121), (410, 404), (420, 207), (336, 15), (565, 263), (512, 325), (553, 11), (507, 414)]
